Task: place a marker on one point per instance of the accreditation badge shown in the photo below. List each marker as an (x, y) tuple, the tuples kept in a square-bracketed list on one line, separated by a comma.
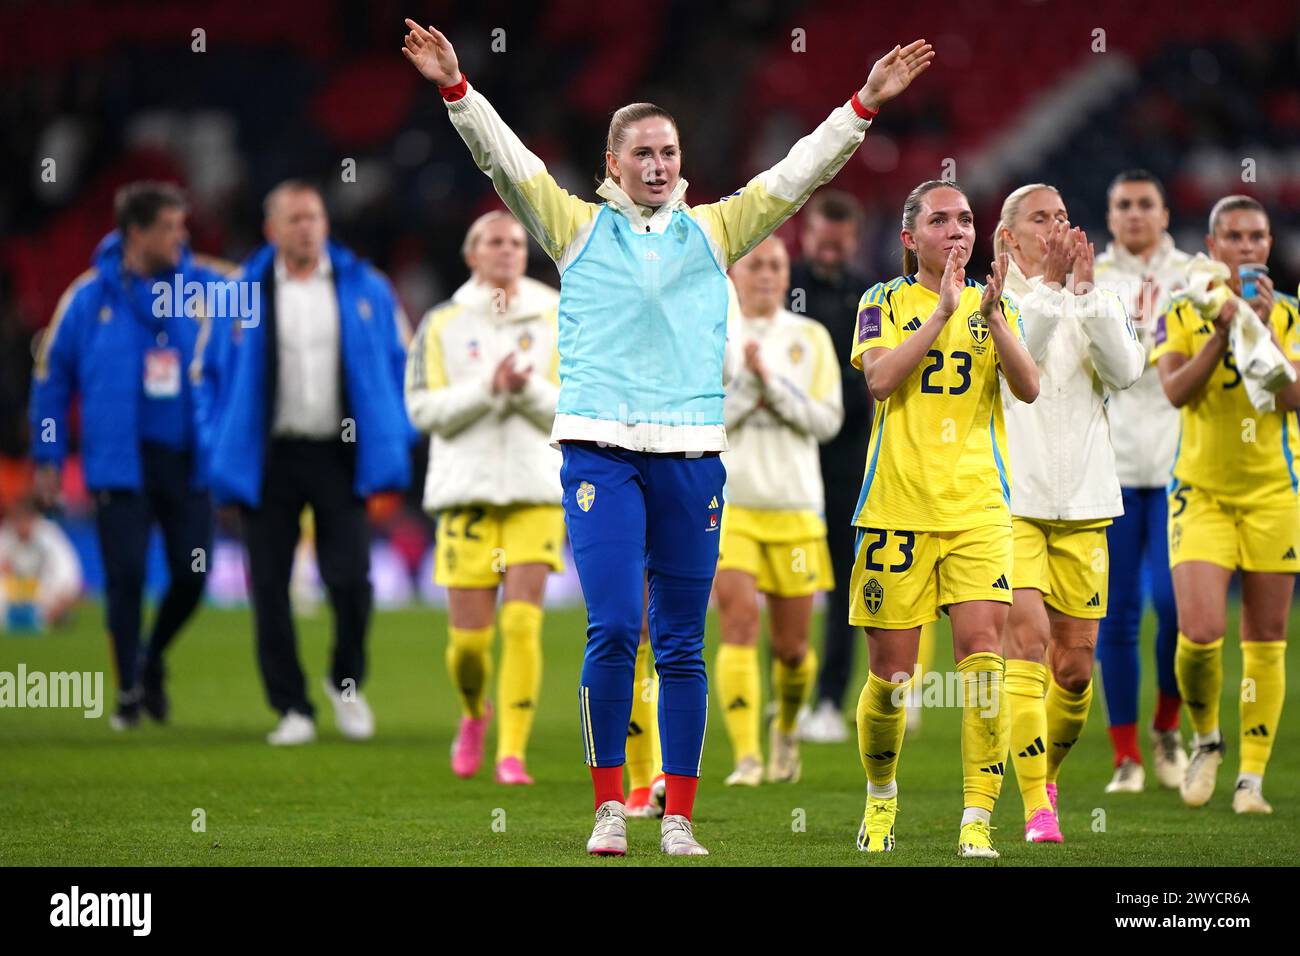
[(162, 372)]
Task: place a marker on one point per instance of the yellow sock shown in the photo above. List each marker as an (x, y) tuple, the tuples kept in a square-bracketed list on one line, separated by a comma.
[(1026, 683), (643, 727), (1066, 715), (985, 729), (520, 682), (1263, 687), (469, 662), (1200, 681), (741, 693), (791, 686), (882, 718)]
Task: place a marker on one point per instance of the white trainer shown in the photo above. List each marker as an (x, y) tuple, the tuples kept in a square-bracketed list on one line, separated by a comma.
[(1249, 799), (1198, 782), (1130, 777), (677, 838), (1170, 757), (748, 773), (293, 730), (825, 725), (352, 716), (783, 764), (609, 835)]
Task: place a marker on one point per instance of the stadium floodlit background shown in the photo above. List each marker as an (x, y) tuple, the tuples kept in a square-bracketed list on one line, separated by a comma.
[(228, 99)]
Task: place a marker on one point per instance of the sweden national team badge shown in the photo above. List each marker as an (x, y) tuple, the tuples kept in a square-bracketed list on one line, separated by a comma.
[(363, 308), (979, 327), (873, 595), (796, 353), (586, 496), (525, 342), (714, 509)]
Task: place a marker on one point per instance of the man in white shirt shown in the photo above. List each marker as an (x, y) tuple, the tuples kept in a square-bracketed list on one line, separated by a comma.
[(319, 382)]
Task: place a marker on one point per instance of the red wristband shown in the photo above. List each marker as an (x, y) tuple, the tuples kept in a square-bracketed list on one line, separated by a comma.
[(866, 114), (452, 93)]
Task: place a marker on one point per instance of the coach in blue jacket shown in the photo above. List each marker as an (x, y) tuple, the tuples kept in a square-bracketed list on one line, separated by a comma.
[(124, 342), (309, 411)]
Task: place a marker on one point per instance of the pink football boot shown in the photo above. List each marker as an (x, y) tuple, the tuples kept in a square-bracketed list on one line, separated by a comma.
[(467, 748)]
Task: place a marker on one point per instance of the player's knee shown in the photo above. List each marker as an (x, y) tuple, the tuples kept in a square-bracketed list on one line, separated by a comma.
[(1203, 630), (1073, 675)]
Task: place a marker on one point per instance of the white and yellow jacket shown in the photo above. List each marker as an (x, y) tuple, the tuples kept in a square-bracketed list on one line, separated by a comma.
[(643, 302), (1086, 349), (1144, 426), (486, 449), (773, 430)]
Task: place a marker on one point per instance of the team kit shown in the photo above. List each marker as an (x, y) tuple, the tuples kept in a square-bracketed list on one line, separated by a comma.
[(1013, 420), (1052, 441)]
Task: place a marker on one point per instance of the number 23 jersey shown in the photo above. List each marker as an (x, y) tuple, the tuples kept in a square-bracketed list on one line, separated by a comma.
[(937, 459)]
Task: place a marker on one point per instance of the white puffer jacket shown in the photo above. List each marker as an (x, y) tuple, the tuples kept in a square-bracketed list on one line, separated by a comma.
[(1062, 462), (1144, 426), (487, 449)]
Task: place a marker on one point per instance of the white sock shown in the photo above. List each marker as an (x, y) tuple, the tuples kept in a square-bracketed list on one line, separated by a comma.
[(883, 793), (1252, 781), (971, 814), (1213, 737)]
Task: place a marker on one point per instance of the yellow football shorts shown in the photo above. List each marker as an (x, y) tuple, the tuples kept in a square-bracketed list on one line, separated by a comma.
[(785, 551), (1066, 560), (477, 543), (1259, 537), (904, 579)]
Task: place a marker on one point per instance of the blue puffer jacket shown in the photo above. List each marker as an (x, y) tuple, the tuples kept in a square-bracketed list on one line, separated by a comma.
[(373, 356), (95, 347)]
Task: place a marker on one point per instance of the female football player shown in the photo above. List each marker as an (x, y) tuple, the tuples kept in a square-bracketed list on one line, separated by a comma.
[(1144, 268), (785, 401), (481, 375), (934, 520), (1064, 491), (643, 306), (1232, 501)]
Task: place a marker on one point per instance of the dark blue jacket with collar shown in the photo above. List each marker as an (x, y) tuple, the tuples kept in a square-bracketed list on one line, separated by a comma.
[(240, 371)]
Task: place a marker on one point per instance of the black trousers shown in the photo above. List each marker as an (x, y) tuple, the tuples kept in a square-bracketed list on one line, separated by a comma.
[(124, 520), (842, 489), (297, 473)]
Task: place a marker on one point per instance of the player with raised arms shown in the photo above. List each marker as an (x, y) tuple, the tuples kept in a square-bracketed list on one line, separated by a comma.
[(934, 519), (642, 335), (1064, 490)]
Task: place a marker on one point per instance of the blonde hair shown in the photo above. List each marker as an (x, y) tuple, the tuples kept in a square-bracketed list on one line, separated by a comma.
[(912, 209), (479, 226), (625, 117), (1011, 210)]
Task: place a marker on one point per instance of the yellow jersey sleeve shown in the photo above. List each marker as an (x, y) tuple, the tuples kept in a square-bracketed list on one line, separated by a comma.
[(876, 328), (1173, 331), (1286, 322)]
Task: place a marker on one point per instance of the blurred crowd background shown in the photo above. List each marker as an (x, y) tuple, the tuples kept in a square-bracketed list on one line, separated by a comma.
[(1203, 93)]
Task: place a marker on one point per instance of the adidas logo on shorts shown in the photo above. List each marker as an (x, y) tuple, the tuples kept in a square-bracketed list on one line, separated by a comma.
[(1095, 600), (1001, 583), (1290, 555)]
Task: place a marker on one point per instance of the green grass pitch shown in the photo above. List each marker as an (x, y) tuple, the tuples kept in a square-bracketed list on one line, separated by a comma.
[(74, 793)]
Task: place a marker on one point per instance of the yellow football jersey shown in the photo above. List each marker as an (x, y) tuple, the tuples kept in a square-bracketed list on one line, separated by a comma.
[(1227, 447), (938, 454)]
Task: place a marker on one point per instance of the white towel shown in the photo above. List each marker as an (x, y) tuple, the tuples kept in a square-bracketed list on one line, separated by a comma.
[(1264, 369)]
